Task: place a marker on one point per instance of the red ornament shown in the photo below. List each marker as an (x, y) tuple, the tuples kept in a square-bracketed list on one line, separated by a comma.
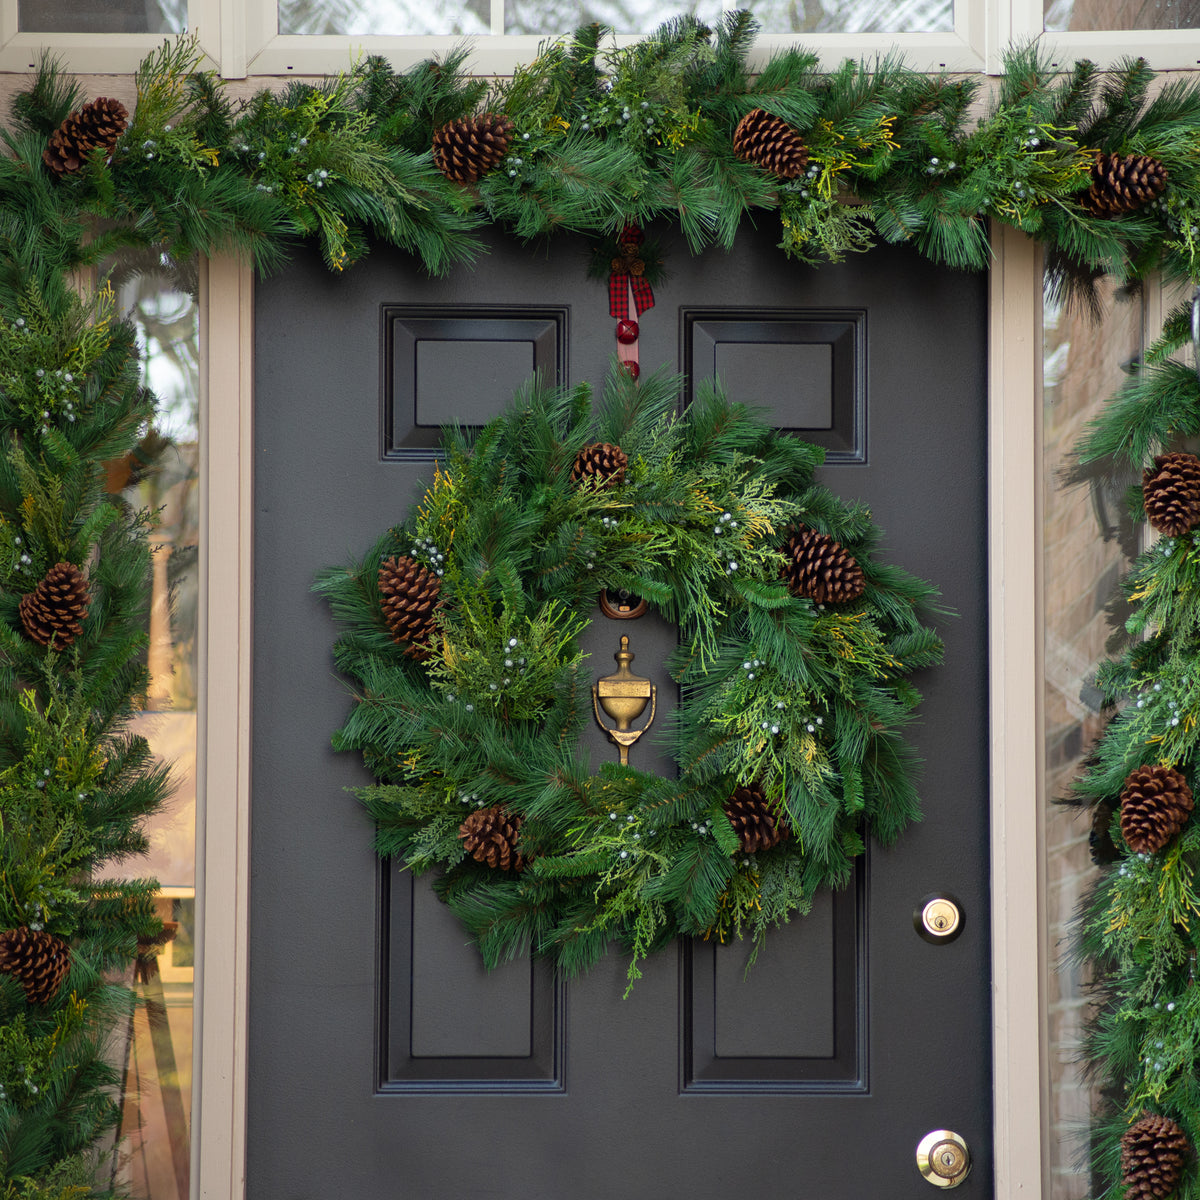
[(632, 367), (627, 332)]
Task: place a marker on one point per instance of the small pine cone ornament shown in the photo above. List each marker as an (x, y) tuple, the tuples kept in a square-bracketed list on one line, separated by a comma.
[(757, 827), (1123, 184), (57, 607), (821, 569), (1155, 805), (36, 959), (467, 149), (410, 593), (1154, 1151), (771, 143), (97, 124), (489, 835), (601, 461), (1171, 493)]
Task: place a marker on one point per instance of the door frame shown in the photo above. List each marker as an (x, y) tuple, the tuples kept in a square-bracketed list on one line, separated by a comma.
[(1018, 880)]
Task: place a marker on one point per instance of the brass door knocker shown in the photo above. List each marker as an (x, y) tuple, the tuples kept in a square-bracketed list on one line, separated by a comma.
[(624, 697)]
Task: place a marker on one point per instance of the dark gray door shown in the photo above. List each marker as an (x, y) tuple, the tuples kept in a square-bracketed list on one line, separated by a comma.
[(382, 1061)]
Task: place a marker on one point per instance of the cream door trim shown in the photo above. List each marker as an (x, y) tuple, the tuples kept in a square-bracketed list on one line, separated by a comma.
[(1019, 1026), (223, 754), (1018, 936)]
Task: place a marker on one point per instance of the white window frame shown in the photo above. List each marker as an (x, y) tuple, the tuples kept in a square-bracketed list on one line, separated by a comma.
[(240, 38)]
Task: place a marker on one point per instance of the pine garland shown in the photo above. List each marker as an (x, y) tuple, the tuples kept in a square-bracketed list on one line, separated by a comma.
[(602, 136), (804, 700), (75, 786), (1141, 923)]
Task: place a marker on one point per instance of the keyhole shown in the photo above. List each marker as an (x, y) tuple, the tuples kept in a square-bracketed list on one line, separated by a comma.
[(939, 922), (948, 1158)]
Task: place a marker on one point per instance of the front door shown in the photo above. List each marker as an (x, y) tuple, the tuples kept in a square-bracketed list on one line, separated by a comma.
[(383, 1061)]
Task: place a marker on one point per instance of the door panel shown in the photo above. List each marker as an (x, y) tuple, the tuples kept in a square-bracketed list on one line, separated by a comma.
[(383, 1060)]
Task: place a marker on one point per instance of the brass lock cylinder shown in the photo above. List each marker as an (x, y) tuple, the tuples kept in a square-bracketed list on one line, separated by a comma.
[(938, 919), (943, 1158)]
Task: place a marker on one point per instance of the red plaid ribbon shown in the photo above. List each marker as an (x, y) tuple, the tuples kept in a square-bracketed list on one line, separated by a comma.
[(627, 272)]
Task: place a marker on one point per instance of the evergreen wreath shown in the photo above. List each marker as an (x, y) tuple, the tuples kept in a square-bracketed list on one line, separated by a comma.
[(795, 647)]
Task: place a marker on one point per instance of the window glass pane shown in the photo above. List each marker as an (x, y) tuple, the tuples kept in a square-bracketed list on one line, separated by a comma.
[(1089, 544), (385, 17), (102, 16), (775, 16), (1063, 15), (161, 476), (554, 17)]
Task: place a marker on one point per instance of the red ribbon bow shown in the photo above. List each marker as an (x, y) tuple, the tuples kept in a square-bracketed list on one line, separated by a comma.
[(629, 271)]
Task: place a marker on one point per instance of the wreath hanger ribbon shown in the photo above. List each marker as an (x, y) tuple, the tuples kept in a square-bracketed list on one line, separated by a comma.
[(628, 276)]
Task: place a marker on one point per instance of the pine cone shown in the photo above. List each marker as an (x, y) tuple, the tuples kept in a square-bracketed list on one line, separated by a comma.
[(38, 960), (601, 461), (820, 568), (771, 143), (489, 835), (1155, 804), (1153, 1153), (757, 827), (56, 607), (410, 594), (97, 124), (466, 149), (1171, 493), (1123, 184)]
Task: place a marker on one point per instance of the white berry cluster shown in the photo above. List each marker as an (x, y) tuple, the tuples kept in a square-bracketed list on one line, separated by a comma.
[(426, 550)]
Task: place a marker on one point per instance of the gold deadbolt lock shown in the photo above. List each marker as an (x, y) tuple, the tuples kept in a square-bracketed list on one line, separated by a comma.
[(938, 919), (943, 1158)]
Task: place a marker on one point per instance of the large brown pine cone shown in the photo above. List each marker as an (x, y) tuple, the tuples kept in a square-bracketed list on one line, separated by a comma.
[(771, 143), (1171, 493), (601, 461), (97, 124), (820, 568), (57, 607), (1123, 183), (1153, 1153), (1155, 805), (38, 960), (489, 835), (467, 149), (757, 827), (409, 592)]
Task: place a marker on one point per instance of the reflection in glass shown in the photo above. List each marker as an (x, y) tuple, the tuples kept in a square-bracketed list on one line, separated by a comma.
[(554, 17), (1089, 542), (102, 16), (775, 16), (384, 17), (1086, 15), (161, 476)]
